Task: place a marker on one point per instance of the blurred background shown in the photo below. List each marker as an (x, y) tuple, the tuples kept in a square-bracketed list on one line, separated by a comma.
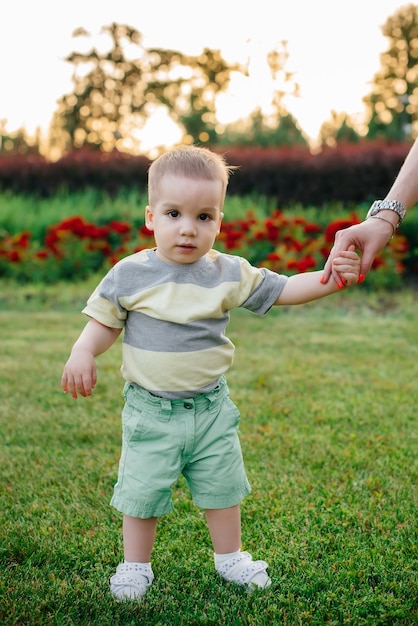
[(137, 76), (315, 102)]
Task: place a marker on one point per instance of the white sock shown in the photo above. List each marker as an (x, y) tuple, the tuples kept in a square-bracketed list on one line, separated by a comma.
[(220, 558)]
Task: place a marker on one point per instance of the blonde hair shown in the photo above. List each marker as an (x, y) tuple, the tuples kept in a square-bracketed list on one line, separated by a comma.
[(191, 162)]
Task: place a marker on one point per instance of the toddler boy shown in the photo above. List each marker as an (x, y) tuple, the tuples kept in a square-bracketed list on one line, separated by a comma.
[(173, 303)]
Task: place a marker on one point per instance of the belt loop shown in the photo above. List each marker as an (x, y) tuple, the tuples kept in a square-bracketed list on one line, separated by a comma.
[(127, 386), (214, 398), (165, 408)]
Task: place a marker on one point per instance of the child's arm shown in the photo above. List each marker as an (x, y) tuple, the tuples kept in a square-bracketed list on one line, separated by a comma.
[(305, 287), (80, 370)]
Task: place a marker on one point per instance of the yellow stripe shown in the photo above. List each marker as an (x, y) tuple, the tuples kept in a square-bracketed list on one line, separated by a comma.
[(189, 302), (172, 371)]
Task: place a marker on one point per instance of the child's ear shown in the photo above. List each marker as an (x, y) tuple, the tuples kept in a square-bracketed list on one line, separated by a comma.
[(149, 217), (220, 223)]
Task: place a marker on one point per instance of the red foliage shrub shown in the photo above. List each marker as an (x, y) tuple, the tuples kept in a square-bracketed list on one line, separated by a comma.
[(349, 173)]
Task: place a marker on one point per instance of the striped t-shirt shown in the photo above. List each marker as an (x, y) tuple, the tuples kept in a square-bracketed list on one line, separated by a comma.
[(174, 316)]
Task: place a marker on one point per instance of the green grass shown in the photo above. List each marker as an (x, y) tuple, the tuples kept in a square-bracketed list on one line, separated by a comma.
[(328, 395)]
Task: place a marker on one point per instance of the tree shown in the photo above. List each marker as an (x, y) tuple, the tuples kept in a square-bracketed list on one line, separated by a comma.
[(393, 102), (257, 131), (339, 129), (114, 94), (19, 141), (274, 126), (280, 126)]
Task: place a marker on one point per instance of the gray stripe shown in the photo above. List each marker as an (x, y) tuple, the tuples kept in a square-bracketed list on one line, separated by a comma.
[(132, 277), (266, 293), (147, 333)]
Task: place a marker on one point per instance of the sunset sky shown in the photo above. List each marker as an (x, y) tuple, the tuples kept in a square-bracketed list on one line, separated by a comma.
[(334, 49)]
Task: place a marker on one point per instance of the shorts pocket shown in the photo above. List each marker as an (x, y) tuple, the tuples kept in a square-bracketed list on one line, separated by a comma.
[(133, 422), (232, 411)]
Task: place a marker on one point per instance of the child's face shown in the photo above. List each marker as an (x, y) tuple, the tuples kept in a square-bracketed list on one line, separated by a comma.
[(186, 218)]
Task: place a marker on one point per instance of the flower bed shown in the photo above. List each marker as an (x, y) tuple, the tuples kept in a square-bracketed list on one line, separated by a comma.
[(75, 248)]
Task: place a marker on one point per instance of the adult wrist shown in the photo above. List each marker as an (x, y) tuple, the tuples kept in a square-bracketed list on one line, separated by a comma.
[(394, 207), (390, 216), (382, 218)]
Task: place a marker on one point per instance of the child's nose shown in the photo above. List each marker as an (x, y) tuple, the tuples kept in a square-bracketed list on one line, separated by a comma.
[(188, 227)]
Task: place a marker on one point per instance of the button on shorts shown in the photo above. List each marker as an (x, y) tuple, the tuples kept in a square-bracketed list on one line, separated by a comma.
[(162, 439)]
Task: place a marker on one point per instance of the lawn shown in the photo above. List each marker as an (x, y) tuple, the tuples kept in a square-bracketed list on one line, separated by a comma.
[(328, 395)]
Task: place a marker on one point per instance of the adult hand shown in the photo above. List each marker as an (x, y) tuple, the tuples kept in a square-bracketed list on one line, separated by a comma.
[(368, 237), (371, 236)]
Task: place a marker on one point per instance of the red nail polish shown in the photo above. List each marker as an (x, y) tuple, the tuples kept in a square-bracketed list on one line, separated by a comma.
[(361, 278)]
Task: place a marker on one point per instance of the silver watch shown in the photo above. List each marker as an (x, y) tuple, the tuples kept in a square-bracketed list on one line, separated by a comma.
[(391, 205)]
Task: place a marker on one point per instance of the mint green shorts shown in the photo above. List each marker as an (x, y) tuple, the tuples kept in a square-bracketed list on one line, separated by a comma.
[(162, 439)]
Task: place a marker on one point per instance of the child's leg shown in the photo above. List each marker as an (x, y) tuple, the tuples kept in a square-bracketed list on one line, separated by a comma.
[(138, 538), (233, 565), (135, 575), (225, 528)]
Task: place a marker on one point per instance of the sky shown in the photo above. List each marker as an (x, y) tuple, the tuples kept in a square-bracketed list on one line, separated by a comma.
[(334, 51)]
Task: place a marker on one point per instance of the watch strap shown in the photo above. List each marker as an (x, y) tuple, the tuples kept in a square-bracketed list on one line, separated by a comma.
[(390, 205)]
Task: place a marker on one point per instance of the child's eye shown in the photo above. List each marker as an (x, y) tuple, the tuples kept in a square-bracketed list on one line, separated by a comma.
[(173, 213), (204, 217)]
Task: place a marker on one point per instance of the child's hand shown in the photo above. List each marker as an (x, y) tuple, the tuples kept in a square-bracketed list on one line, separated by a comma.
[(347, 264), (79, 374)]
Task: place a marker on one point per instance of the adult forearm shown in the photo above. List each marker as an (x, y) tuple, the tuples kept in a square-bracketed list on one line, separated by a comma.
[(405, 187), (372, 235)]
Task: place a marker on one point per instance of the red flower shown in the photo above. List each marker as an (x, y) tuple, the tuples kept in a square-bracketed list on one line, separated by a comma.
[(90, 231), (296, 245), (74, 224), (302, 265), (231, 239), (14, 256), (312, 228), (332, 228), (272, 231), (378, 262), (23, 239), (51, 241), (119, 227)]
